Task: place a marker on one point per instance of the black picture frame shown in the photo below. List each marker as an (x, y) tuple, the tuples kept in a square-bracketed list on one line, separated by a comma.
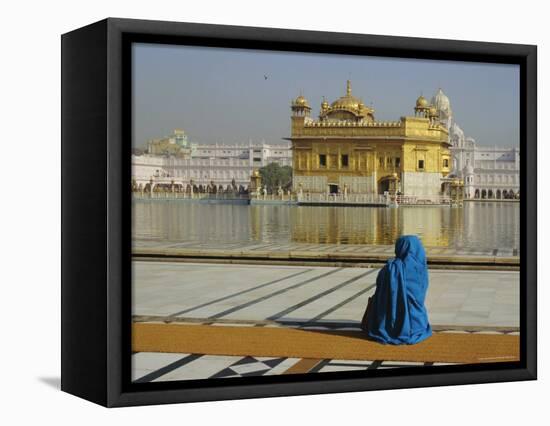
[(96, 243)]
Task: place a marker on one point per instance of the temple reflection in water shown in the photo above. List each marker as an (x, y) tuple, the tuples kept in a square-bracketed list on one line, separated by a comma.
[(374, 226), (477, 225)]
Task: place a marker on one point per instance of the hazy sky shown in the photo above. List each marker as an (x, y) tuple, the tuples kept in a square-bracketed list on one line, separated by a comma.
[(221, 95)]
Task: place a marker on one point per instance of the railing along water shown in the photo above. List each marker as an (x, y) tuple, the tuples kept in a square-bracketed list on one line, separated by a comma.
[(168, 195), (307, 198)]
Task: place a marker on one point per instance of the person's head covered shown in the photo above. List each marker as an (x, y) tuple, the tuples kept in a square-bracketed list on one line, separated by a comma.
[(410, 245)]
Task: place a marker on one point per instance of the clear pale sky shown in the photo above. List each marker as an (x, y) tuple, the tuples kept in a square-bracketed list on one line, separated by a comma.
[(221, 95)]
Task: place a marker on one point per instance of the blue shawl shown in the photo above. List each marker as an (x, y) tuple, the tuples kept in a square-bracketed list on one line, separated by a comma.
[(397, 314)]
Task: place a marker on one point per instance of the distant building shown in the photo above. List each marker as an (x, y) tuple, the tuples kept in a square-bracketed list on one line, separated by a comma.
[(176, 144), (222, 164), (488, 172)]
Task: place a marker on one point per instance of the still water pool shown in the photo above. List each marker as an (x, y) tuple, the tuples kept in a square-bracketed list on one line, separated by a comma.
[(477, 225)]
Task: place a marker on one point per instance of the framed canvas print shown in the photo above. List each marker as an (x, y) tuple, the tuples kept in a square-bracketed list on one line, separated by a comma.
[(253, 212)]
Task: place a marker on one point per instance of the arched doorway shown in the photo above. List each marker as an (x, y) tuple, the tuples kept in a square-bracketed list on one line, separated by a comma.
[(490, 194), (383, 186), (498, 194), (511, 194), (483, 193), (476, 195), (388, 184), (505, 194)]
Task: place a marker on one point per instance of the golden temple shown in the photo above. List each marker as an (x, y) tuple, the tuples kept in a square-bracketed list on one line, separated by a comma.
[(347, 150)]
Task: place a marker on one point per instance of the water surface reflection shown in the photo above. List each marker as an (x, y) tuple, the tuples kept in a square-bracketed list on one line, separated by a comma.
[(476, 225)]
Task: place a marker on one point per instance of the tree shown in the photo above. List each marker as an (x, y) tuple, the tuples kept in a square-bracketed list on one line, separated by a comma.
[(273, 176)]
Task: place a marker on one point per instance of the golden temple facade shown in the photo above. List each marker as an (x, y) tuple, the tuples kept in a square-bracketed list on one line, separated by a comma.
[(345, 150)]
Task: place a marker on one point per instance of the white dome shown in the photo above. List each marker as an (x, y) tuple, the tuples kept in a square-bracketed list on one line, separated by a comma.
[(441, 102)]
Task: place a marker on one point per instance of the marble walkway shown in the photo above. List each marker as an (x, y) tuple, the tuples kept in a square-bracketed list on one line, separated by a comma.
[(296, 296)]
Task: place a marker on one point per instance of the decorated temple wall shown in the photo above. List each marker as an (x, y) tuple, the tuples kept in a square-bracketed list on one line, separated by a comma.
[(310, 183), (422, 184), (359, 185)]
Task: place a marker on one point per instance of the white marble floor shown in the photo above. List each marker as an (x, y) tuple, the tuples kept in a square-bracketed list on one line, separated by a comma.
[(158, 367), (304, 297), (285, 294)]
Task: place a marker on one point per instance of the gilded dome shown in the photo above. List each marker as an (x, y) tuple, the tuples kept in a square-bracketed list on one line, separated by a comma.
[(432, 111), (348, 101), (300, 101), (421, 102)]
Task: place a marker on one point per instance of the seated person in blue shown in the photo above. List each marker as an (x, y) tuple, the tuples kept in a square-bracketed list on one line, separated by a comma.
[(396, 313)]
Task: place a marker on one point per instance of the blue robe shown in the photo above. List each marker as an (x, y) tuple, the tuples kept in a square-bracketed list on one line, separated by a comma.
[(396, 314)]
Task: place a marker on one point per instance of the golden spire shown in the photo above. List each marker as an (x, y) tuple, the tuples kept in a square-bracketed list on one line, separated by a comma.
[(348, 88)]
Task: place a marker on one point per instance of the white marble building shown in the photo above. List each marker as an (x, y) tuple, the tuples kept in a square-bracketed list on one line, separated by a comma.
[(489, 172), (206, 163)]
